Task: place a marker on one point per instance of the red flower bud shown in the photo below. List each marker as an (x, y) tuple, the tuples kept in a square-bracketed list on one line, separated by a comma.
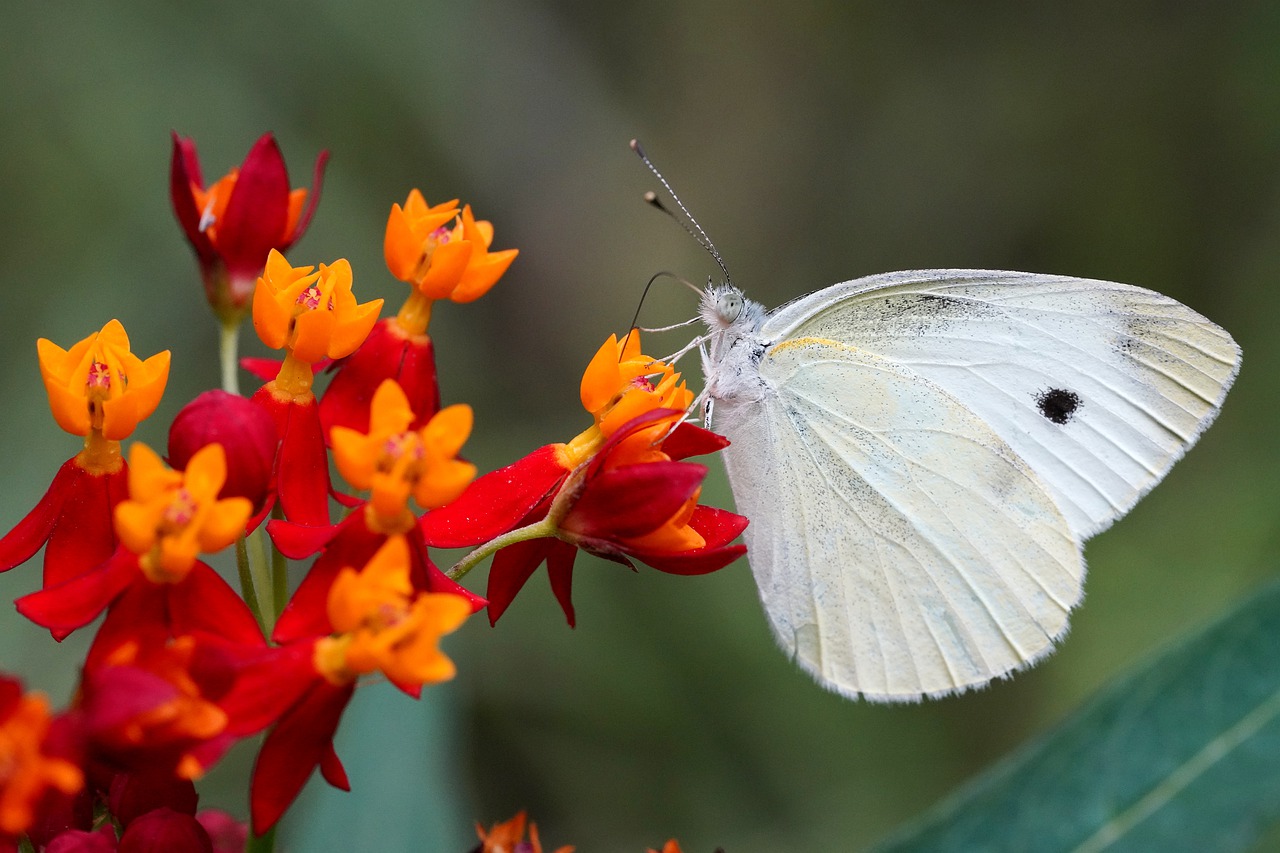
[(245, 431)]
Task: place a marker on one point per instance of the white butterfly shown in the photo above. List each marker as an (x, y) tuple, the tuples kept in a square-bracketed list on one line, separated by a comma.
[(922, 454)]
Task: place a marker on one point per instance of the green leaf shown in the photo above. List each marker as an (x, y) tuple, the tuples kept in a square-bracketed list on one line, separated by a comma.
[(1182, 755)]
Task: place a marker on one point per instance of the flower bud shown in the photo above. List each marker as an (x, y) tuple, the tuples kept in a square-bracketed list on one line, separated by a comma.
[(245, 431)]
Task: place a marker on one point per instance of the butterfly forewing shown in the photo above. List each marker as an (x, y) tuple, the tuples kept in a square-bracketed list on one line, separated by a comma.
[(900, 545), (1099, 387)]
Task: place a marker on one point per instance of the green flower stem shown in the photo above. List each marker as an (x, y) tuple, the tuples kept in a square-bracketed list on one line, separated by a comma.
[(537, 530), (229, 350), (264, 843), (279, 576), (261, 578), (246, 580)]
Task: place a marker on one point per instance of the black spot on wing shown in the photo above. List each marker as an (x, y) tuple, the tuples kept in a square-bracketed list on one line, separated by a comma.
[(1058, 404)]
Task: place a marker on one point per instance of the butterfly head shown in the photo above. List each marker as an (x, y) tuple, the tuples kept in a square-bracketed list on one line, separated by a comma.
[(723, 307)]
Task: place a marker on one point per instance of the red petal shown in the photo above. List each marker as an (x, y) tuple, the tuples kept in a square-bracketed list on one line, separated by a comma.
[(560, 571), (132, 795), (313, 199), (265, 369), (332, 770), (21, 543), (426, 576), (386, 354), (301, 740), (716, 526), (84, 534), (139, 615), (184, 170), (75, 516), (692, 440), (268, 686), (76, 602), (511, 569), (624, 432), (257, 212), (204, 604), (495, 503), (10, 693), (633, 500), (298, 541), (306, 614), (100, 840), (700, 562), (302, 468), (228, 834), (115, 695)]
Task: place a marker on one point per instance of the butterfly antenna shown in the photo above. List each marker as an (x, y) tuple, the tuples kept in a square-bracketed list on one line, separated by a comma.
[(644, 294), (695, 230)]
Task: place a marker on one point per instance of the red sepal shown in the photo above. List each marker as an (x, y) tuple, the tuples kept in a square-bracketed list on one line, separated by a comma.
[(496, 502)]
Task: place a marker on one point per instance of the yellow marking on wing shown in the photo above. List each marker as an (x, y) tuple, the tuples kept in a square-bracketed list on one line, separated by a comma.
[(810, 342)]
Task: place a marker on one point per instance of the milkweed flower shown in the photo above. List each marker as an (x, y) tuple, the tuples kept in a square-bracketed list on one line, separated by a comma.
[(393, 463), (442, 253), (30, 764), (380, 624), (233, 223), (312, 316), (169, 518), (442, 262), (619, 490), (508, 837), (100, 390), (149, 704), (672, 846)]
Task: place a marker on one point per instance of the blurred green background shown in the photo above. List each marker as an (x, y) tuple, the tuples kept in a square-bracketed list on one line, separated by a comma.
[(816, 142)]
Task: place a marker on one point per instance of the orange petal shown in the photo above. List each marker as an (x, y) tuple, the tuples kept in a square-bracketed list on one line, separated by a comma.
[(353, 329), (602, 377), (448, 264)]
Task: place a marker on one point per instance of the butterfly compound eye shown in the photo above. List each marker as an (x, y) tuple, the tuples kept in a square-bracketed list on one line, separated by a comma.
[(729, 305)]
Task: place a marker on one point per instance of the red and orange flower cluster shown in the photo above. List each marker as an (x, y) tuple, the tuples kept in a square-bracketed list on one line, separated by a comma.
[(182, 666)]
